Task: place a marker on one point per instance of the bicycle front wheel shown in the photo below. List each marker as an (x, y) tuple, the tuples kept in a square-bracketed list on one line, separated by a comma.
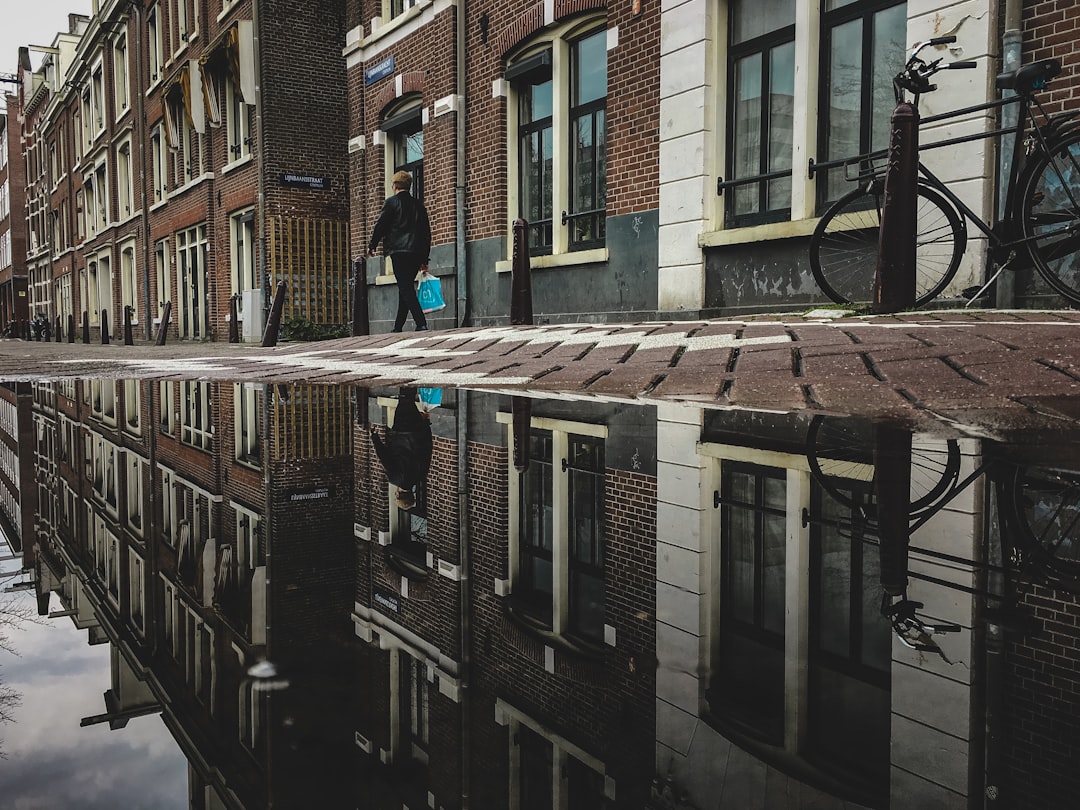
[(844, 247), (1051, 217)]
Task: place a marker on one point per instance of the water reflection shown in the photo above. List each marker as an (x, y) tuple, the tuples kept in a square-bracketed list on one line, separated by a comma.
[(579, 604)]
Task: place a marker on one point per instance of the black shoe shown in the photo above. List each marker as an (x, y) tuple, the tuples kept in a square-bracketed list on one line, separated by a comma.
[(422, 329), (395, 330)]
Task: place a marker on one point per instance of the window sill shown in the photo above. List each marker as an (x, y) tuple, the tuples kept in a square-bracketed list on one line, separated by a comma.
[(523, 616), (758, 233), (394, 24), (578, 257), (409, 559), (236, 164)]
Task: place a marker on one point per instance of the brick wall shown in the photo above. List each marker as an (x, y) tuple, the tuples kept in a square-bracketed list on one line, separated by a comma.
[(1051, 29), (1041, 735)]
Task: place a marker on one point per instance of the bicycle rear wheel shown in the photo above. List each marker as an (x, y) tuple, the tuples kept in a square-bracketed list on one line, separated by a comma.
[(1046, 505), (840, 453), (1050, 211), (844, 247)]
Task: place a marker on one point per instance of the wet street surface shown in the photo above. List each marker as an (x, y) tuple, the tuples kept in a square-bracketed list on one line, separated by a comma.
[(775, 563)]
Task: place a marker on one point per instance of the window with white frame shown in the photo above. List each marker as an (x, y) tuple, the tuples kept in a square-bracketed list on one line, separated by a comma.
[(191, 269), (549, 772), (195, 423), (159, 165), (133, 407), (557, 530), (77, 137), (560, 187), (162, 275), (154, 39), (825, 658), (404, 128), (101, 197), (248, 402), (80, 215), (170, 607), (167, 407), (91, 289), (125, 193), (237, 121), (860, 44), (133, 478), (97, 97), (120, 74), (137, 591), (129, 280), (242, 233)]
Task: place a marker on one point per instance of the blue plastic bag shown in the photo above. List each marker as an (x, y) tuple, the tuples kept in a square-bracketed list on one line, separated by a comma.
[(430, 293), (430, 398)]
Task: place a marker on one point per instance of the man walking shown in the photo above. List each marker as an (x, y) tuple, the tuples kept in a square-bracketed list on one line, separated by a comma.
[(405, 232)]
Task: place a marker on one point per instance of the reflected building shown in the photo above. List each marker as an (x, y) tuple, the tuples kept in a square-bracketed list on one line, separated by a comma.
[(588, 604)]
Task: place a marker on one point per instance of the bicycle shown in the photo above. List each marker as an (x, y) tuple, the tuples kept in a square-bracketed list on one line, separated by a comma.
[(1040, 226)]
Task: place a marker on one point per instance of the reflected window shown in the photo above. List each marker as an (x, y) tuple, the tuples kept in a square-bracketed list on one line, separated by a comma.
[(850, 648), (561, 533), (248, 401), (413, 707), (753, 526)]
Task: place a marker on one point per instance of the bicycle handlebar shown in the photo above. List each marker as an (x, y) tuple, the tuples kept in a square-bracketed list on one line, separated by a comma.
[(915, 77)]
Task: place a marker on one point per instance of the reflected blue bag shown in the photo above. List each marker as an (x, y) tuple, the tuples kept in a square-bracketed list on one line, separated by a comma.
[(431, 397), (430, 293)]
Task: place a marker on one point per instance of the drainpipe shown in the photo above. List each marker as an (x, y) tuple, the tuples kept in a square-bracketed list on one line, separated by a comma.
[(260, 153), (1011, 47), (459, 188), (144, 208), (465, 603)]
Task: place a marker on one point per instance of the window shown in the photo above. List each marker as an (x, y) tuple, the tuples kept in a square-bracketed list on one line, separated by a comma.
[(404, 128), (248, 400), (125, 194), (196, 427), (237, 123), (120, 74), (242, 231), (561, 190), (128, 280), (413, 711), (753, 529), (154, 41), (557, 545), (159, 166), (97, 98), (132, 407), (861, 45), (395, 8), (193, 318), (162, 275), (136, 591), (552, 772)]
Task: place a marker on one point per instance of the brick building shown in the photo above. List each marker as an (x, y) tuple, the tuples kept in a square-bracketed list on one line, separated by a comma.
[(163, 171), (13, 301)]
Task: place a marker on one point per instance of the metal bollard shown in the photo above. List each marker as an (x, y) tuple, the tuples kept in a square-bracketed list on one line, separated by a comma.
[(104, 327), (273, 322), (892, 488), (360, 323), (163, 327), (234, 327), (57, 335), (520, 277), (85, 326), (71, 328), (894, 284), (129, 339)]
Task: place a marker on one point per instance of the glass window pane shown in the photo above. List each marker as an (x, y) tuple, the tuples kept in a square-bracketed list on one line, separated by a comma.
[(890, 32), (746, 126), (752, 18), (591, 68), (535, 102), (781, 121), (845, 99)]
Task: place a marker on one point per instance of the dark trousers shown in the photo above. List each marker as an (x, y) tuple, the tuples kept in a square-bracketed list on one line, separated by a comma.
[(406, 266)]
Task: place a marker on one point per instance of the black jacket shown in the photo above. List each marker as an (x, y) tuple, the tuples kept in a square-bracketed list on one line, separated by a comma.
[(402, 227), (405, 454)]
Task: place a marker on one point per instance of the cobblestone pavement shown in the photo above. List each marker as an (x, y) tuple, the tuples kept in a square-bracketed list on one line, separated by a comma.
[(990, 370)]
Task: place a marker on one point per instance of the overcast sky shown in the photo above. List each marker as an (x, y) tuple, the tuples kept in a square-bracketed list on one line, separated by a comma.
[(33, 22)]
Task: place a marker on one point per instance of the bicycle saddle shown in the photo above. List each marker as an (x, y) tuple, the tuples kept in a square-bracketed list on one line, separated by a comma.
[(1028, 77)]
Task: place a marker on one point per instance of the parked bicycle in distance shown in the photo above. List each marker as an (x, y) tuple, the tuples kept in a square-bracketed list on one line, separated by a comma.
[(1040, 226)]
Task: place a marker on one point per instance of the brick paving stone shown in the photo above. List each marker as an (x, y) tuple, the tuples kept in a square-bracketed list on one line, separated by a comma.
[(768, 391), (821, 335), (628, 379), (753, 359)]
